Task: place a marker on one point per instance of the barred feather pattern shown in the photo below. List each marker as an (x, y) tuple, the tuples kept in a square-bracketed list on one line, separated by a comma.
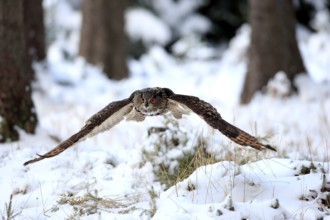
[(150, 102)]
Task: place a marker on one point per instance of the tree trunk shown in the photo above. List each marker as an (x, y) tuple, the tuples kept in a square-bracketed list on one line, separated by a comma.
[(103, 39), (34, 29), (16, 106), (273, 45)]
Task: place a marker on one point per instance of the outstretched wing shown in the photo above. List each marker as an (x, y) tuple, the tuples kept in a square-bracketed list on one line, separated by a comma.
[(213, 118), (105, 119)]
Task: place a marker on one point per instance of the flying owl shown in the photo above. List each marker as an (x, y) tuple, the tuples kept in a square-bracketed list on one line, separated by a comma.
[(153, 102)]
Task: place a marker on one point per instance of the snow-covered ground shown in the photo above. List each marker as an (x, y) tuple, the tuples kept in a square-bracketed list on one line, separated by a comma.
[(113, 175)]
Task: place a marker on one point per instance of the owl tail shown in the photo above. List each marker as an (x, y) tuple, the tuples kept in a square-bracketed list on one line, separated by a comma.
[(241, 137)]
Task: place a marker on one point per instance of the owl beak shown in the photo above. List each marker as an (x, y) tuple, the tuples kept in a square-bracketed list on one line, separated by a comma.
[(146, 103)]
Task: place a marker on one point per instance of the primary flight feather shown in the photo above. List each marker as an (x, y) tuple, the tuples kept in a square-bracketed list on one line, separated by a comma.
[(152, 102)]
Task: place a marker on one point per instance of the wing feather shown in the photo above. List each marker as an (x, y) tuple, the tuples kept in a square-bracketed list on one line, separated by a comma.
[(105, 119), (214, 119)]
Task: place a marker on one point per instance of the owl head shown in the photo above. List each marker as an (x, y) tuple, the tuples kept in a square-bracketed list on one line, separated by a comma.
[(150, 101)]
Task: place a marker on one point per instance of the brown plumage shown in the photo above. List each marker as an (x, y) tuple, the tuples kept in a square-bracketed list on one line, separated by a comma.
[(152, 102), (214, 119)]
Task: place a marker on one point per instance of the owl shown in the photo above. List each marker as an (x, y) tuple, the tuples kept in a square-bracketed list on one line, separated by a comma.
[(152, 102)]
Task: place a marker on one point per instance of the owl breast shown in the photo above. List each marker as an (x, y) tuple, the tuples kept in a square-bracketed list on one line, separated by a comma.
[(150, 112), (150, 109)]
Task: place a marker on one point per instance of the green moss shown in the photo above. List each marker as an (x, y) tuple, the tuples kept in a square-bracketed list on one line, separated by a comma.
[(7, 132)]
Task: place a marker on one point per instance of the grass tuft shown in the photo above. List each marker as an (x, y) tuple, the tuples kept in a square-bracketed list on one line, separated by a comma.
[(173, 155), (90, 203), (9, 213)]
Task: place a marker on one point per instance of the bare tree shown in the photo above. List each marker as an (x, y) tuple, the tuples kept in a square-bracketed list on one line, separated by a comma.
[(16, 105), (273, 45), (102, 39)]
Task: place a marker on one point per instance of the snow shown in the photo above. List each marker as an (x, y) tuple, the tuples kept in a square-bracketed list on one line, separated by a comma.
[(113, 175), (174, 13), (228, 191), (195, 24), (140, 22)]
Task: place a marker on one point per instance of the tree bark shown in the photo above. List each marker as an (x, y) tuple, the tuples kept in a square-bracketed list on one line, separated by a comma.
[(16, 106), (273, 45), (34, 29), (103, 40)]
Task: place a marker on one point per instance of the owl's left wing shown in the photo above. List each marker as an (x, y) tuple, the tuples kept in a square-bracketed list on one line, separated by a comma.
[(105, 119), (214, 119)]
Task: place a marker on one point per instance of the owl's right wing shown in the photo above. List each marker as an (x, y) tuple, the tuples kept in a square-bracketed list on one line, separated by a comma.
[(105, 119), (214, 119)]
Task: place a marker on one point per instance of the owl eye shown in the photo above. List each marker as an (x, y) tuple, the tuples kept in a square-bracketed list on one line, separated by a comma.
[(152, 100), (142, 99)]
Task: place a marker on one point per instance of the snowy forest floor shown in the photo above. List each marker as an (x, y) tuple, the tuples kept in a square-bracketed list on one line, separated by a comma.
[(168, 169)]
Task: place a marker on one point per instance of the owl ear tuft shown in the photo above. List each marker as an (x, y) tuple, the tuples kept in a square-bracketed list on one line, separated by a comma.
[(133, 94), (168, 92)]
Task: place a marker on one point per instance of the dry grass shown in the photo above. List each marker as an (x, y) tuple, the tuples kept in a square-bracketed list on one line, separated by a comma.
[(201, 152), (90, 203), (8, 213), (186, 166), (168, 170)]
